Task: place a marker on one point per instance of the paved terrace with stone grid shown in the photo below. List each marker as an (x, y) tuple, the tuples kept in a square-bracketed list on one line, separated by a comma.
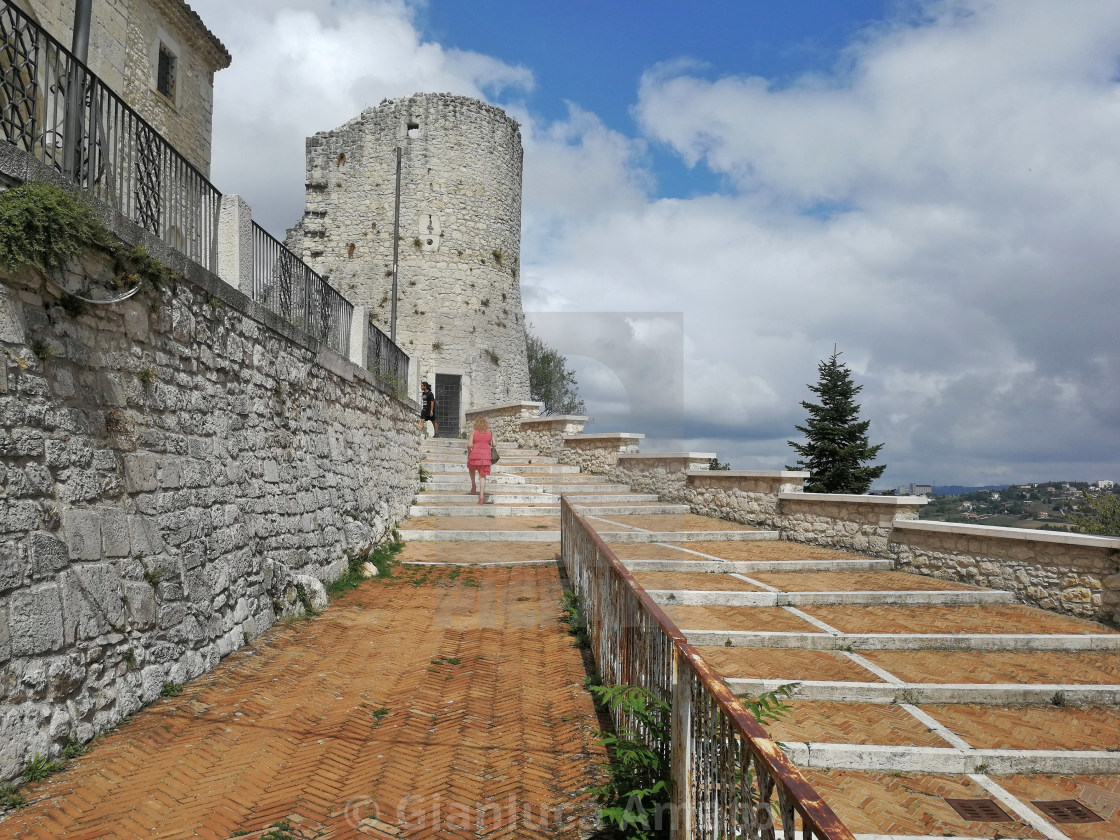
[(911, 691)]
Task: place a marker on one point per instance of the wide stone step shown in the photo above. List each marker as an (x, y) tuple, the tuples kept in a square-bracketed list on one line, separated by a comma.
[(500, 508), (743, 567), (460, 446), (905, 641), (982, 694), (923, 598), (461, 458), (951, 760), (514, 468), (511, 496), (684, 536), (479, 536)]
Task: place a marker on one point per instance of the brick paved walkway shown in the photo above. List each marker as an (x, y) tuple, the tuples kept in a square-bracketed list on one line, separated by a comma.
[(486, 726)]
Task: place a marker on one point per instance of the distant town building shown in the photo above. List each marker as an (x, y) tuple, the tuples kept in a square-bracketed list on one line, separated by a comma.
[(1104, 484), (915, 490)]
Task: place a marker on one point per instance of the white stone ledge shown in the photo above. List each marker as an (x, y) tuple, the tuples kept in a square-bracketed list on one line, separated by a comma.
[(691, 456), (606, 436), (504, 406), (555, 418), (854, 498), (751, 474), (999, 533), (953, 760)]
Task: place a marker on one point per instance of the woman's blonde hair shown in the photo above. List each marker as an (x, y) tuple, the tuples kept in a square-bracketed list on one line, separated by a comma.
[(481, 424)]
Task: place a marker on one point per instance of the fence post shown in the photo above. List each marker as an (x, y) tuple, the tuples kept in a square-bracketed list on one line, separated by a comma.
[(358, 321), (235, 243), (680, 757)]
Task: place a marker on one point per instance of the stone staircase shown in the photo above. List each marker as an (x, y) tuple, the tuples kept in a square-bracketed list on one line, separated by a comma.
[(913, 694)]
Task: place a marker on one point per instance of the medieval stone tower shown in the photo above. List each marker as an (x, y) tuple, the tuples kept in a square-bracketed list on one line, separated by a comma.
[(459, 312)]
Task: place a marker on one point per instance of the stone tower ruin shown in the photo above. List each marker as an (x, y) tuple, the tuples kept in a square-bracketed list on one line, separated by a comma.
[(459, 314)]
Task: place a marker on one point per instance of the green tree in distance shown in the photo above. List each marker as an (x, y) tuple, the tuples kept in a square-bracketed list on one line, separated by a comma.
[(1104, 518), (836, 449), (550, 381)]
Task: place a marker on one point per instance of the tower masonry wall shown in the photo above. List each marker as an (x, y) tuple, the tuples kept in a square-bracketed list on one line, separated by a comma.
[(459, 297)]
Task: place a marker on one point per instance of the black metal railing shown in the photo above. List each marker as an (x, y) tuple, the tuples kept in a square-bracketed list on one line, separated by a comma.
[(285, 284), (386, 361), (54, 108)]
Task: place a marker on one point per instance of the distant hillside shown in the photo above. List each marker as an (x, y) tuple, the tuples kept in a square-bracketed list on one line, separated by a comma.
[(960, 490)]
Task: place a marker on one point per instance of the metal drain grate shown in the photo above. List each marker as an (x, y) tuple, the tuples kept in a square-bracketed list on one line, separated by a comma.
[(980, 810), (1067, 811)]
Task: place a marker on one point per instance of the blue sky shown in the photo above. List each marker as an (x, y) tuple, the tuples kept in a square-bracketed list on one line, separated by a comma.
[(931, 185)]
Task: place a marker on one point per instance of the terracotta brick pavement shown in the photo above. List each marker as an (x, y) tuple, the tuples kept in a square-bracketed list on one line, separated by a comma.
[(789, 665), (770, 550), (483, 523), (1101, 794), (435, 691), (852, 723), (941, 666), (854, 581), (478, 552), (686, 580), (650, 551), (672, 522), (907, 803), (738, 618), (1032, 727), (991, 618)]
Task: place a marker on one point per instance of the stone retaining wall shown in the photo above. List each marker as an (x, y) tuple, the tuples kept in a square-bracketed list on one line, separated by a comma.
[(505, 420), (169, 466), (850, 522), (663, 473), (1069, 573), (597, 454), (546, 434), (746, 496)]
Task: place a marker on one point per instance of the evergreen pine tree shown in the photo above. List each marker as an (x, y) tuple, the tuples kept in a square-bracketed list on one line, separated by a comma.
[(550, 380), (836, 447)]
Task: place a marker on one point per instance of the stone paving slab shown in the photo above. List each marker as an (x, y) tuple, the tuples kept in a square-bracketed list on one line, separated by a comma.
[(413, 694), (995, 618), (484, 523)]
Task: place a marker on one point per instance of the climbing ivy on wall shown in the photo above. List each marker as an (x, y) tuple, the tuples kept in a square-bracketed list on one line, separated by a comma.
[(46, 227)]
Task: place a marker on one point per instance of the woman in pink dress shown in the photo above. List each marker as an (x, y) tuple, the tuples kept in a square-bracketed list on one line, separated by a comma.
[(478, 456)]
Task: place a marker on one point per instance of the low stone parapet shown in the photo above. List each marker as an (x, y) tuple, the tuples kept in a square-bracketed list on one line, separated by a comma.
[(1070, 573), (663, 473), (505, 419), (845, 521), (747, 496), (598, 453), (546, 434)]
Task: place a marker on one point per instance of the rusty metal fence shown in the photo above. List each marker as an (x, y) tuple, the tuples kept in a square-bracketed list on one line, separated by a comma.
[(730, 779), (54, 108)]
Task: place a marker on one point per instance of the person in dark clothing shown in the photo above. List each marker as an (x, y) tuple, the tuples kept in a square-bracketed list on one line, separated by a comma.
[(428, 408)]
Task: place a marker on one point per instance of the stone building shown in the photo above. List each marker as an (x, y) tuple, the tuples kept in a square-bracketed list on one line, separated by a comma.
[(459, 239), (157, 55)]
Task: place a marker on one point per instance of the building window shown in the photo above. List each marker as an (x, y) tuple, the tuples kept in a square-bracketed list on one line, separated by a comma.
[(165, 72)]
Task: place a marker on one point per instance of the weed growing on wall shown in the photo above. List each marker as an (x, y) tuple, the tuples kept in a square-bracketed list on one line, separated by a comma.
[(45, 226), (382, 557)]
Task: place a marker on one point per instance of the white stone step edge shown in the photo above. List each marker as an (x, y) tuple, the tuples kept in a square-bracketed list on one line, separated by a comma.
[(757, 566), (685, 536), (983, 694), (480, 536), (497, 508), (943, 597), (904, 641), (427, 498), (952, 760)]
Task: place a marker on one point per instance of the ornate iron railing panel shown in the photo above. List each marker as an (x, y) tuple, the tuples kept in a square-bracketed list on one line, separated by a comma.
[(46, 94), (285, 284), (386, 361), (730, 779)]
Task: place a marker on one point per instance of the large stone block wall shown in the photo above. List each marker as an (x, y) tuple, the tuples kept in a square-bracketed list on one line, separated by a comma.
[(598, 454), (459, 295), (504, 420), (168, 465), (546, 434), (663, 473), (1069, 573)]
